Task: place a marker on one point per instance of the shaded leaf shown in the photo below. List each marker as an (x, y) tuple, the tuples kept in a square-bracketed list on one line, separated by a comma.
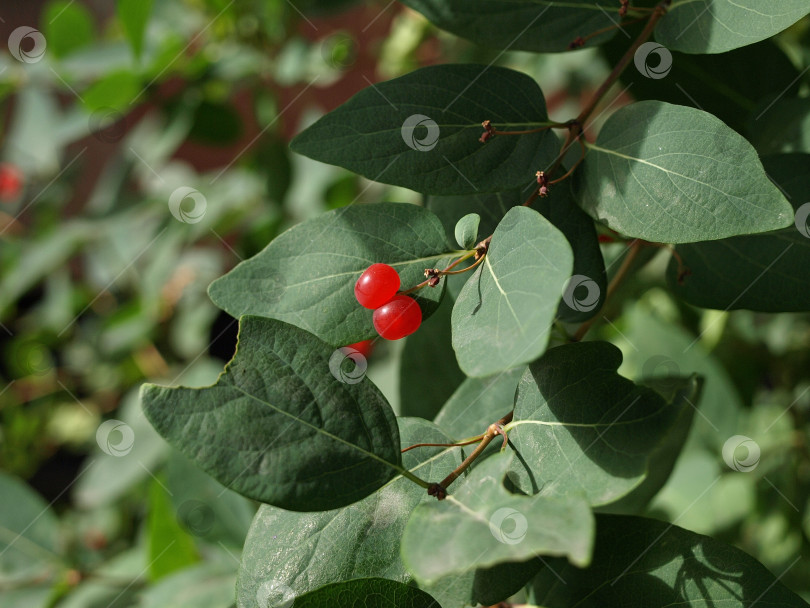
[(674, 174), (768, 272), (306, 276), (782, 125), (503, 315), (542, 26), (421, 131), (466, 231), (481, 524), (478, 402), (278, 426), (637, 561), (305, 551), (67, 27), (580, 428), (719, 84), (428, 371), (716, 26), (366, 593)]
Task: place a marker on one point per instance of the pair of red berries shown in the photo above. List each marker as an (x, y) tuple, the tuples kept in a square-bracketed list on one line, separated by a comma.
[(395, 316)]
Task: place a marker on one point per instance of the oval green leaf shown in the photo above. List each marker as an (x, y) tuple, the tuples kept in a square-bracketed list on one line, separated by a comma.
[(306, 276), (672, 174), (421, 131), (503, 315)]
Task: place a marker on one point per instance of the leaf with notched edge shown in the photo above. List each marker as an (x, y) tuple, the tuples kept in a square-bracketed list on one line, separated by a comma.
[(278, 427)]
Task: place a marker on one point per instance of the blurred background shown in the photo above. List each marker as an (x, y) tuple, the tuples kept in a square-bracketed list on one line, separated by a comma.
[(143, 153)]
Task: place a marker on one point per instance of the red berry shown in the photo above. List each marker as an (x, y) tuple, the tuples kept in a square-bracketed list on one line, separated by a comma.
[(397, 319), (11, 180), (363, 347), (376, 286)]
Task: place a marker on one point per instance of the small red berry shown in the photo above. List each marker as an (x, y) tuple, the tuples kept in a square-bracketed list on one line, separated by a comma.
[(376, 286), (364, 347), (11, 180), (397, 319)]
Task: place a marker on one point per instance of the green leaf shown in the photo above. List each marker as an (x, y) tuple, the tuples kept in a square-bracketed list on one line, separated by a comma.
[(673, 174), (305, 551), (170, 547), (428, 371), (466, 231), (481, 524), (717, 26), (478, 402), (421, 131), (580, 428), (204, 508), (768, 272), (683, 394), (306, 276), (541, 26), (637, 559), (655, 348), (208, 585), (278, 426), (29, 534), (718, 84), (365, 593), (558, 208), (504, 313), (134, 16), (114, 91), (67, 26)]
